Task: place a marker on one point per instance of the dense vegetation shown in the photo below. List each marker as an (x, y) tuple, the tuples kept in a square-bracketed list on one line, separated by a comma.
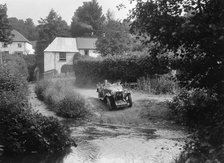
[(193, 31), (22, 130), (125, 68), (61, 98)]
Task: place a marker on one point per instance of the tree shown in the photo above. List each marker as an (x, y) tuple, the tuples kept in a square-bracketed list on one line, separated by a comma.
[(89, 13), (49, 28), (193, 31), (115, 39), (26, 28), (5, 28), (79, 29)]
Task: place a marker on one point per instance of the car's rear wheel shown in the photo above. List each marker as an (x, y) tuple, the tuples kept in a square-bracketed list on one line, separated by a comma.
[(129, 100)]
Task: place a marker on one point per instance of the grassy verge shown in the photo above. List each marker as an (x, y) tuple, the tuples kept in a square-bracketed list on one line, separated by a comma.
[(60, 96)]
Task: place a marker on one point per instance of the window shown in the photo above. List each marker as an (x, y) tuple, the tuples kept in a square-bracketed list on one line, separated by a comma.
[(6, 52), (4, 45), (19, 45), (86, 52), (19, 52), (62, 56)]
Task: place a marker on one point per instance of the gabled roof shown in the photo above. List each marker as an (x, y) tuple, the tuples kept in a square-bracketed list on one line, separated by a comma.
[(86, 43), (62, 44), (18, 37)]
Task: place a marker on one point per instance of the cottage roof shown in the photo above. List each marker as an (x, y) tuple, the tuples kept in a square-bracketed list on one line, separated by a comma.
[(86, 43), (62, 44), (18, 37)]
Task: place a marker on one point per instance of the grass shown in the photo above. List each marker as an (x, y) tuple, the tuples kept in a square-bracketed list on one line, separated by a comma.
[(59, 94), (158, 84)]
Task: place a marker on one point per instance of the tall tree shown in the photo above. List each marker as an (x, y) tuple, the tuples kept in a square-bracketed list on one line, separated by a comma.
[(89, 13), (193, 30), (115, 39), (5, 28), (49, 28)]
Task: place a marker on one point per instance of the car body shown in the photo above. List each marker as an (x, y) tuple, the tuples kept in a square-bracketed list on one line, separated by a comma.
[(114, 95)]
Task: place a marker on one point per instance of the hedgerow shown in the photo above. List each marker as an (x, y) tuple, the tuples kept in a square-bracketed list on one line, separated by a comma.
[(126, 68)]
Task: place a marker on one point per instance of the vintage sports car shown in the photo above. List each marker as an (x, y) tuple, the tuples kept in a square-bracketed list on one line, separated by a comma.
[(114, 95)]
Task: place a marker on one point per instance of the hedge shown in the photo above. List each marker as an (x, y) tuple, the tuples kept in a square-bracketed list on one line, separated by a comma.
[(125, 68)]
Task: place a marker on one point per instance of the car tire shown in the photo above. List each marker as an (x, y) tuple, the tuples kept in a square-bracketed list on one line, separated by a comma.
[(129, 100), (108, 103)]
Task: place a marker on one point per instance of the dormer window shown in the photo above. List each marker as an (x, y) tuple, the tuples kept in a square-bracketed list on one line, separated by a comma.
[(19, 45)]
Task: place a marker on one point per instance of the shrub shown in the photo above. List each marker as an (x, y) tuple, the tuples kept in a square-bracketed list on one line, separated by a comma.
[(202, 111), (72, 106), (40, 88), (24, 131), (125, 68), (61, 98), (31, 64), (194, 108), (16, 64), (13, 86)]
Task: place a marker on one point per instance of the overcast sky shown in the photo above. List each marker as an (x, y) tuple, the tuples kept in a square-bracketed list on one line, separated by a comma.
[(37, 9)]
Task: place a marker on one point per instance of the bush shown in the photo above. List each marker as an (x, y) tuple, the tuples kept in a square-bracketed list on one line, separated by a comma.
[(24, 131), (40, 88), (16, 64), (202, 111), (13, 86), (61, 97), (125, 68), (72, 106), (31, 65), (197, 107)]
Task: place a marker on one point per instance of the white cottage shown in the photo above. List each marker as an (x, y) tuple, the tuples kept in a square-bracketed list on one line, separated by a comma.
[(19, 45), (62, 50)]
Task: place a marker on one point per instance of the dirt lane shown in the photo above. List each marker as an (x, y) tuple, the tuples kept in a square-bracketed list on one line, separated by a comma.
[(123, 135)]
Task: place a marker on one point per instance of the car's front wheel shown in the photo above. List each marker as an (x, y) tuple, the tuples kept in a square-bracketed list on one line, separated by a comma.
[(108, 103), (129, 100)]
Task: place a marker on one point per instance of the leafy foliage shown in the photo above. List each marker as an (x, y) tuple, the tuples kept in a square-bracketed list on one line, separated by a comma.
[(5, 28), (16, 63), (87, 18), (125, 68), (115, 39), (72, 105), (196, 38), (24, 132), (27, 28)]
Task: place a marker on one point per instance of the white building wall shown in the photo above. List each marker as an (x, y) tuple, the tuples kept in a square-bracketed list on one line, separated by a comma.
[(52, 62), (12, 48), (49, 61), (92, 53)]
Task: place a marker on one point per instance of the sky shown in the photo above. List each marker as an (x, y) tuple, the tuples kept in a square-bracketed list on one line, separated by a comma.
[(36, 9)]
